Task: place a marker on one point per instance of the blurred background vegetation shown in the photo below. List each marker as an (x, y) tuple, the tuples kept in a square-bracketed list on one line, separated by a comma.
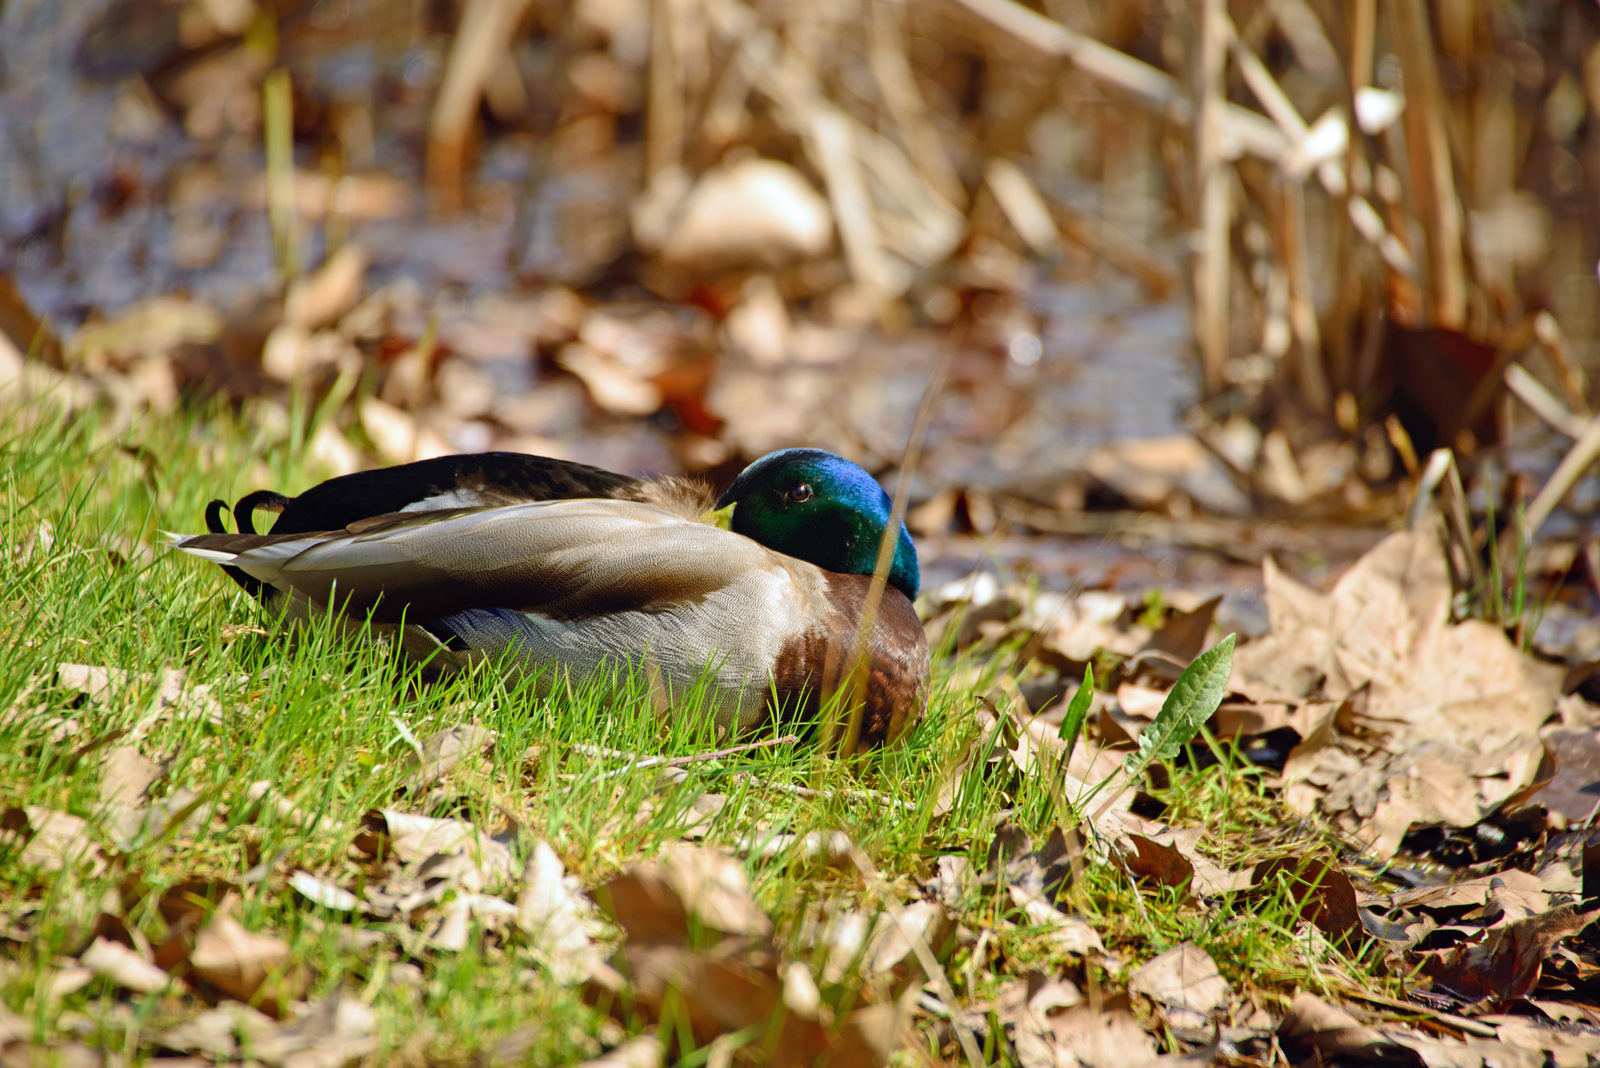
[(1234, 260)]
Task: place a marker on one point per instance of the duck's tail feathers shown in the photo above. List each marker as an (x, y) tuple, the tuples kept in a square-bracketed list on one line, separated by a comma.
[(185, 542), (243, 516)]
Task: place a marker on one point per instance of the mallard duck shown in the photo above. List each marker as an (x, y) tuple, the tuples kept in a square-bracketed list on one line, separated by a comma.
[(547, 563)]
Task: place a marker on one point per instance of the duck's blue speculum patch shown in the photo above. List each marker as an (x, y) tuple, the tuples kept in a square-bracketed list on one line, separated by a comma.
[(821, 508)]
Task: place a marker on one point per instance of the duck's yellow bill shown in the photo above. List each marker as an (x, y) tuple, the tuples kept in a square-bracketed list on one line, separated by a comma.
[(720, 517)]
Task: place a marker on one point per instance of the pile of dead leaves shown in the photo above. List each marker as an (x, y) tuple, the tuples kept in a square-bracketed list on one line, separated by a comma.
[(1381, 715)]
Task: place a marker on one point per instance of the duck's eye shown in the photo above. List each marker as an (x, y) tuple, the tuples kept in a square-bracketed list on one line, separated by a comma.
[(800, 494)]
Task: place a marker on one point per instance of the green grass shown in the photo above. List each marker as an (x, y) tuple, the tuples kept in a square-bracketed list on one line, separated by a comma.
[(330, 724)]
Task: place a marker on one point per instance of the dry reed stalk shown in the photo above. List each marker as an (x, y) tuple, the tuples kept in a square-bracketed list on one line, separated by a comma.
[(664, 119), (1431, 169), (1443, 472), (277, 112), (898, 85), (1578, 460), (908, 218), (1215, 210), (1103, 240), (1568, 375), (1024, 208), (1125, 75), (1354, 284), (1288, 213), (917, 223), (1302, 310), (832, 141), (1542, 403), (479, 46), (1363, 41)]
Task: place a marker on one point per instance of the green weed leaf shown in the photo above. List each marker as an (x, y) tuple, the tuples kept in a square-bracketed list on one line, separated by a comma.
[(1194, 697)]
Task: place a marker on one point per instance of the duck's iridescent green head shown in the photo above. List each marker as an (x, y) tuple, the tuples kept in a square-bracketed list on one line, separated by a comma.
[(820, 508)]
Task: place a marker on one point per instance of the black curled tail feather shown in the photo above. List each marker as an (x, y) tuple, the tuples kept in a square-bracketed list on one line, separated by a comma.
[(268, 499), (271, 500)]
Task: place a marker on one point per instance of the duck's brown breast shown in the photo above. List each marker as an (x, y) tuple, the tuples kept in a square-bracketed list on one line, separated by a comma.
[(813, 662)]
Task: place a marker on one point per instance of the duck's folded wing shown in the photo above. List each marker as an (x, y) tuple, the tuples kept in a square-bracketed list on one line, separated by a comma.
[(562, 559), (446, 482)]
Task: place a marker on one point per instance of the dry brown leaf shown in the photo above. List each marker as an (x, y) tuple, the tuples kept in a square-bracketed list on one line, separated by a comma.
[(218, 1033), (1029, 1006), (1312, 1024), (324, 892), (717, 994), (452, 930), (173, 698), (1466, 895), (1185, 982), (444, 751), (319, 298), (331, 1034), (690, 890), (1456, 706), (1507, 965), (445, 849), (399, 437), (1553, 1044), (126, 774), (246, 965), (1069, 934), (1169, 856), (1103, 1039), (124, 967), (1325, 894), (754, 210), (21, 1053), (924, 921), (558, 920), (1183, 635), (642, 1051), (49, 840)]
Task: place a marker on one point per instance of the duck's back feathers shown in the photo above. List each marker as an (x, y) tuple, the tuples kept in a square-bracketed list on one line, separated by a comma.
[(465, 481), (476, 480)]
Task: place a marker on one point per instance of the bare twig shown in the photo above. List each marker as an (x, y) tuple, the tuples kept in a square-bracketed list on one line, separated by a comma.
[(811, 794), (637, 761)]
